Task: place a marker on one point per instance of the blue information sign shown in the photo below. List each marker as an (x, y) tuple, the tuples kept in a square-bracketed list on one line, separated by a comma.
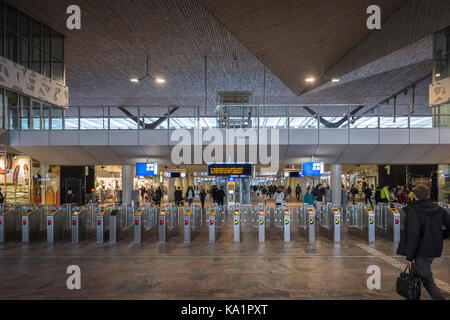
[(147, 169), (313, 168)]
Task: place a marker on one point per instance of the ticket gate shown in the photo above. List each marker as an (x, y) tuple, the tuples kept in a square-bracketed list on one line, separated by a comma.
[(192, 221), (282, 218), (56, 224), (30, 224), (360, 220), (261, 219), (120, 222), (306, 222), (82, 223), (144, 220), (216, 221), (387, 222), (168, 218), (235, 212), (8, 223), (102, 215), (331, 222)]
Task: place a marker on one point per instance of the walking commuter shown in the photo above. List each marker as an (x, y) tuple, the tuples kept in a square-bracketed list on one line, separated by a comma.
[(319, 196), (354, 192), (158, 196), (279, 197), (377, 195), (384, 194), (190, 195), (309, 197), (298, 191), (202, 196), (220, 196), (288, 193), (2, 198), (178, 197), (368, 196), (422, 237)]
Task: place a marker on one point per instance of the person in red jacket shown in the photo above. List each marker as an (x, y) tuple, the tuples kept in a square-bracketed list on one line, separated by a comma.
[(401, 196)]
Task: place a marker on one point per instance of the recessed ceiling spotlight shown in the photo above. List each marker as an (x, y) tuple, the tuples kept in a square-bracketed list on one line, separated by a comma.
[(160, 80), (310, 79), (134, 80), (335, 80)]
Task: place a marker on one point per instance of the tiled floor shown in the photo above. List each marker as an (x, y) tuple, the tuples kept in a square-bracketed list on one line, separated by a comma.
[(224, 270)]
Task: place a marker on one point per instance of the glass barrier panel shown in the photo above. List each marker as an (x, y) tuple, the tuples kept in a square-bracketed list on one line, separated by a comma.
[(57, 124), (122, 123), (273, 122), (421, 122), (364, 122), (207, 123), (155, 123), (93, 123), (333, 122), (394, 122), (303, 123), (183, 123), (71, 123)]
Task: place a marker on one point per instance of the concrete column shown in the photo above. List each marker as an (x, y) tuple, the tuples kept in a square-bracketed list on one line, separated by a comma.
[(127, 183), (336, 185), (171, 190)]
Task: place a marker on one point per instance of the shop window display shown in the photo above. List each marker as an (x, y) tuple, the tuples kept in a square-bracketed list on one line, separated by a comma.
[(16, 170), (45, 184), (108, 183)]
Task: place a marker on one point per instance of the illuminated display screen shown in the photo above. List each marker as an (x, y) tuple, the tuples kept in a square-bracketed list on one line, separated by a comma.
[(313, 168), (293, 174), (147, 169), (175, 174), (237, 170)]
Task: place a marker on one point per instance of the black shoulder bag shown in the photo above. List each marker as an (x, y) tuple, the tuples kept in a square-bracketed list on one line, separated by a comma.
[(408, 285)]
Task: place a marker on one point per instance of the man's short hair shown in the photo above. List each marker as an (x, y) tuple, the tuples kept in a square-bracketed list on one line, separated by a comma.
[(421, 191)]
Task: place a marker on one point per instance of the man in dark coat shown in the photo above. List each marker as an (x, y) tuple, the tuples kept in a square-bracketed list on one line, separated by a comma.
[(422, 237), (178, 195)]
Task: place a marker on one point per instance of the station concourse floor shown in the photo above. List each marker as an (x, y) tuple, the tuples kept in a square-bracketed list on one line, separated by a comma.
[(224, 270)]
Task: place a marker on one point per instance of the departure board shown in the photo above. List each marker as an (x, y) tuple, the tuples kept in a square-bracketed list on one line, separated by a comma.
[(230, 169)]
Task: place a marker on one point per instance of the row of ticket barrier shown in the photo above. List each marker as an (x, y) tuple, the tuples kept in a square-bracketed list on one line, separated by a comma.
[(112, 223)]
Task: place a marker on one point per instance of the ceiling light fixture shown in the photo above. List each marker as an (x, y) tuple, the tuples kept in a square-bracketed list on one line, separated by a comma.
[(148, 75), (323, 74)]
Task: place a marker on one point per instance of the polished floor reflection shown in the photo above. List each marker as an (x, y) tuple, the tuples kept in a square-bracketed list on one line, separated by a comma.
[(224, 270)]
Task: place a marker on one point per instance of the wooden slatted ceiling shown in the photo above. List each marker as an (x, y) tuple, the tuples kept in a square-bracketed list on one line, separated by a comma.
[(116, 36), (286, 34)]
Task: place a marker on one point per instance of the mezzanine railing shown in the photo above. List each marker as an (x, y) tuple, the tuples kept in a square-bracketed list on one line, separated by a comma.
[(245, 116)]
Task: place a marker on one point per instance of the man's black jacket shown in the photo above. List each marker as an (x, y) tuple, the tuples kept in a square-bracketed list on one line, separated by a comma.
[(422, 234)]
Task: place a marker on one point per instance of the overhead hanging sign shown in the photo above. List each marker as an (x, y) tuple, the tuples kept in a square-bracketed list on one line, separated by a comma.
[(230, 169), (313, 168), (147, 169), (440, 92), (25, 81)]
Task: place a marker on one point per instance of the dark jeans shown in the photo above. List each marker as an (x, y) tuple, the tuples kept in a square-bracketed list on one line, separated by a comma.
[(203, 203), (297, 196), (422, 268), (370, 200)]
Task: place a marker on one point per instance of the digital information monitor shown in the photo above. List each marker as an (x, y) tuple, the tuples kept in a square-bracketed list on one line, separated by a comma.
[(240, 170), (313, 168), (147, 169)]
